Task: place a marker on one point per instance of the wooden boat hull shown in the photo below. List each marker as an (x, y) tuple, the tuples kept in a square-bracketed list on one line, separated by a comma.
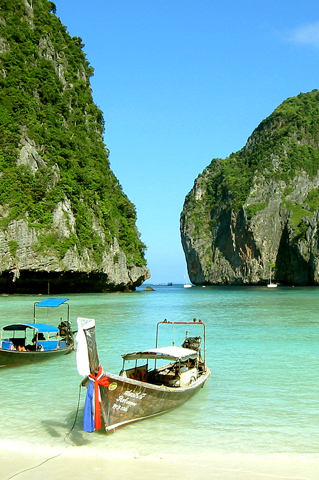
[(126, 400), (14, 358)]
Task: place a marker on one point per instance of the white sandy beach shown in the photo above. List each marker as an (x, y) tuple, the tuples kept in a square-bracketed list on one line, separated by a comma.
[(39, 466)]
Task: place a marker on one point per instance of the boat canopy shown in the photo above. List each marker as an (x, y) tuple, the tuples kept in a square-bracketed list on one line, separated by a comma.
[(39, 327), (51, 302), (163, 353)]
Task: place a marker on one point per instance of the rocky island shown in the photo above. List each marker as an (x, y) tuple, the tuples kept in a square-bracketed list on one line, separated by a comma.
[(258, 210), (65, 223)]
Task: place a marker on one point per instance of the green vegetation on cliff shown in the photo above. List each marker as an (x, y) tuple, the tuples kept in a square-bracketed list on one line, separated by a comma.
[(45, 96), (285, 143)]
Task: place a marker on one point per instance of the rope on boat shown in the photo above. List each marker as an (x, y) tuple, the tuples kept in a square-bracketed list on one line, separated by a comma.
[(75, 419)]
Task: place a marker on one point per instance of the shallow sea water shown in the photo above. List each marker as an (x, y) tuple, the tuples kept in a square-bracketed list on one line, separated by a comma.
[(262, 398)]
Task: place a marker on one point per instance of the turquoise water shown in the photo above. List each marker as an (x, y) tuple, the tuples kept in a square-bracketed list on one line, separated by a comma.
[(262, 397)]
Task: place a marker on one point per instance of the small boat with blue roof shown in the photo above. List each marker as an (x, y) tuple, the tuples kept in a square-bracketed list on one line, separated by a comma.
[(24, 343)]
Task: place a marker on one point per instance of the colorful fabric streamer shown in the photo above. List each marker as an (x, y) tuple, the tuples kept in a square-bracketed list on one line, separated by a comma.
[(99, 380)]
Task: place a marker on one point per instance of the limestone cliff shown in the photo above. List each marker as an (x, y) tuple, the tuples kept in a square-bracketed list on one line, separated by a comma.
[(258, 210), (65, 223)]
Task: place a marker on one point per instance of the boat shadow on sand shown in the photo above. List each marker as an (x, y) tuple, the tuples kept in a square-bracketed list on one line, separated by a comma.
[(67, 431)]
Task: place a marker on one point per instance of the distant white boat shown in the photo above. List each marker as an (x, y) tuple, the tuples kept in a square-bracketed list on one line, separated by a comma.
[(187, 283)]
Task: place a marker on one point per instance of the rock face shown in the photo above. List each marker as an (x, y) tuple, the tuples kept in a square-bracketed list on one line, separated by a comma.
[(65, 223), (258, 210), (25, 270)]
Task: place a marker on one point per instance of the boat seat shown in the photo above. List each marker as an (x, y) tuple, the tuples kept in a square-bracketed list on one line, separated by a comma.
[(49, 344), (6, 344), (169, 379)]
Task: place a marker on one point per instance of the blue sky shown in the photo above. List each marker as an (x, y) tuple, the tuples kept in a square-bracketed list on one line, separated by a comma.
[(181, 82)]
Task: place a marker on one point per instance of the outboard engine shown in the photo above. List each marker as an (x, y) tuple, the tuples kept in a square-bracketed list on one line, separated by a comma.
[(193, 343), (66, 331)]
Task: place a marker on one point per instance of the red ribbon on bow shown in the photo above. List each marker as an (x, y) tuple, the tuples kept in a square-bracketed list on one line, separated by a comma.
[(98, 379)]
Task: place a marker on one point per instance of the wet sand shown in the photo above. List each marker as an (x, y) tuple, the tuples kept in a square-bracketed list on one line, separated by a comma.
[(39, 466)]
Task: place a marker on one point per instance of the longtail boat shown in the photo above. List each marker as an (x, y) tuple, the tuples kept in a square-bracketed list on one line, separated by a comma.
[(24, 343), (145, 389)]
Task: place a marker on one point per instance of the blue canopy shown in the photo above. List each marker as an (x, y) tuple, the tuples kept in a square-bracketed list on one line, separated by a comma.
[(40, 327), (51, 302)]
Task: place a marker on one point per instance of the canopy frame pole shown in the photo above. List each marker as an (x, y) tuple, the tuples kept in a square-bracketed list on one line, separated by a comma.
[(194, 322), (51, 306)]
